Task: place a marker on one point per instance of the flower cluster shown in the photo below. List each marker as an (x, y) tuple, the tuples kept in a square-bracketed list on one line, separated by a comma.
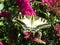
[(29, 35), (57, 29), (52, 3), (4, 14), (25, 7)]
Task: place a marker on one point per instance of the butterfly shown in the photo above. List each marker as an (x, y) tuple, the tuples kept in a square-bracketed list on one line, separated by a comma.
[(34, 22)]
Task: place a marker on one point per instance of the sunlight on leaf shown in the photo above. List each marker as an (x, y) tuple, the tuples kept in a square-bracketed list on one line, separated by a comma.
[(1, 23), (1, 6)]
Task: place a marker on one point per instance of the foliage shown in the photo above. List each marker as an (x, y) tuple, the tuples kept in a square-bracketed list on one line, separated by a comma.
[(43, 23)]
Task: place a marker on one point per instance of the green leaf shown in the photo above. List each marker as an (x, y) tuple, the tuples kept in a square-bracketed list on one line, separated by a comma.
[(1, 6), (1, 23), (0, 0)]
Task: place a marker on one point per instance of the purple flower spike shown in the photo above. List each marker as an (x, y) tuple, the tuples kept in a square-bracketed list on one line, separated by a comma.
[(25, 7)]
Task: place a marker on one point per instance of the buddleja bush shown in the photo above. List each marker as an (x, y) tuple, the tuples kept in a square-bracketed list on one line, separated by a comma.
[(24, 22)]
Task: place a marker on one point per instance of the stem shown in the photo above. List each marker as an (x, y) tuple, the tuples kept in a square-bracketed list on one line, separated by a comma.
[(12, 36)]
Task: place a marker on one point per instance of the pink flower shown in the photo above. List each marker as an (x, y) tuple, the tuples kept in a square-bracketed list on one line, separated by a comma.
[(37, 40), (27, 35), (4, 14), (58, 0), (51, 3), (25, 7), (1, 43), (57, 29), (58, 34)]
